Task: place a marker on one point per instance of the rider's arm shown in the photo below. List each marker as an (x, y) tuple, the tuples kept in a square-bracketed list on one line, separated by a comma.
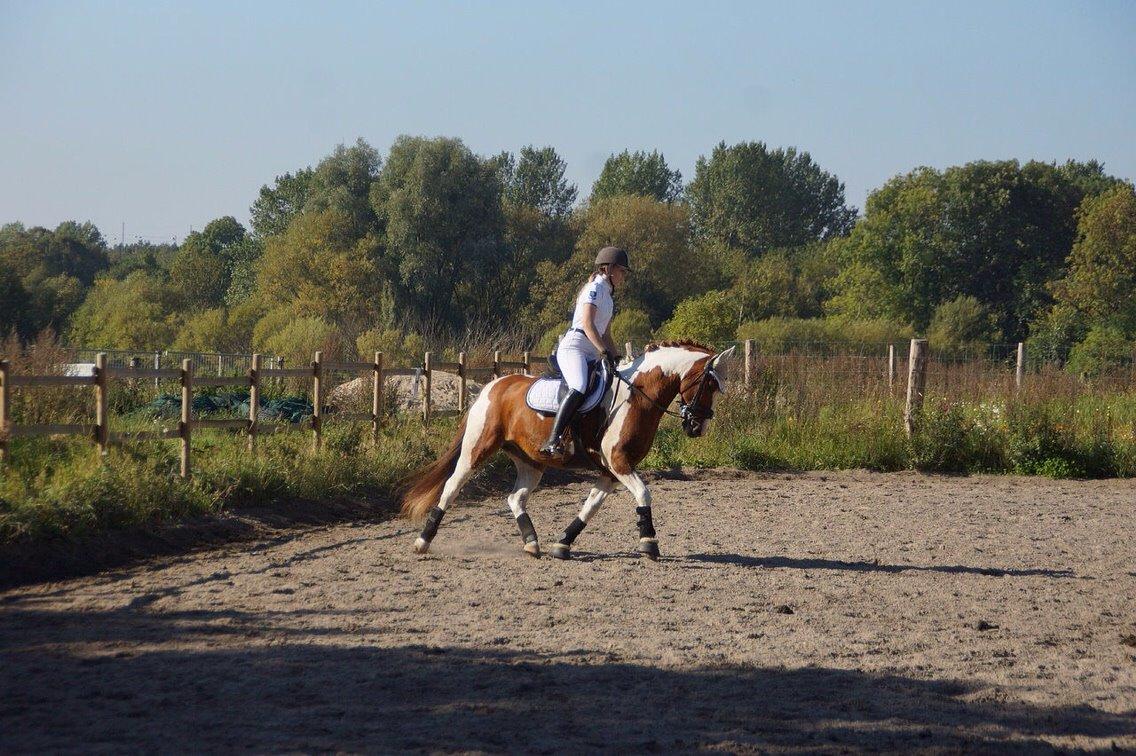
[(599, 342)]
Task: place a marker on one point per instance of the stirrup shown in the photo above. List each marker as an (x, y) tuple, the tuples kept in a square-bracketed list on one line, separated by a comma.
[(552, 448)]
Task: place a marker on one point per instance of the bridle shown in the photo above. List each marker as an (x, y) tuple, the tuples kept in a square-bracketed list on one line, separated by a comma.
[(690, 412)]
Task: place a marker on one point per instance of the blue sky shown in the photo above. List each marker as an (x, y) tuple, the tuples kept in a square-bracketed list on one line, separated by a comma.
[(166, 115)]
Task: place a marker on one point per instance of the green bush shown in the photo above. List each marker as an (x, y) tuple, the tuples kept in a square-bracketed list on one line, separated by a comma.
[(398, 348), (709, 319), (961, 324), (1103, 349), (631, 325), (778, 335)]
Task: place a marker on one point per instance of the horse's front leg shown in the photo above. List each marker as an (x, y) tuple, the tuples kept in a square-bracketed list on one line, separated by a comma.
[(648, 542), (562, 549)]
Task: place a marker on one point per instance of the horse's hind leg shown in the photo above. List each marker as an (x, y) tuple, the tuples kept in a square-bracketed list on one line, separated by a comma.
[(478, 443), (562, 549), (528, 477)]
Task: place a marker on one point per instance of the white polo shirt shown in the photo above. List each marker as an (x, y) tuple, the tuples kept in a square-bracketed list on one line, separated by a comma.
[(597, 292)]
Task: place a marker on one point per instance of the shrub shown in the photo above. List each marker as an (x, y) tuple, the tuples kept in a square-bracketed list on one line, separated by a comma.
[(1105, 348), (961, 324), (630, 325), (300, 339), (398, 348), (709, 318)]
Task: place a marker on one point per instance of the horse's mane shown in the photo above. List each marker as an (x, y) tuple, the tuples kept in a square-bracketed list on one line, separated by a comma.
[(684, 343)]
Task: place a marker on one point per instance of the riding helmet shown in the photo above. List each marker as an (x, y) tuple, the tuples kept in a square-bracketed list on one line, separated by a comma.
[(613, 256)]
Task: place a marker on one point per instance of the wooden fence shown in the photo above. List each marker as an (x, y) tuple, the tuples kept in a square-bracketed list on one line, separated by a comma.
[(318, 371)]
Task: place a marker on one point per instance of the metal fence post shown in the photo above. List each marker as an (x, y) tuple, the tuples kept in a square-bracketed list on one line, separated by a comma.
[(376, 396), (891, 366)]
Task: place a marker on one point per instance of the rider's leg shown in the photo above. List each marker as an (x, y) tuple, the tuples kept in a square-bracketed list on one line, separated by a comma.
[(648, 543), (574, 368), (528, 477), (563, 547)]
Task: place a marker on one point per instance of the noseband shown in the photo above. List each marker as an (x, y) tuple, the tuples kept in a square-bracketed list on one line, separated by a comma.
[(692, 411)]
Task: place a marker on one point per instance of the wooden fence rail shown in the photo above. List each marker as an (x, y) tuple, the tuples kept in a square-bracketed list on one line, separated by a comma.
[(318, 372)]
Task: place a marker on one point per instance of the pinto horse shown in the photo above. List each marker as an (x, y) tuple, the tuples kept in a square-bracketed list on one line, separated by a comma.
[(612, 439)]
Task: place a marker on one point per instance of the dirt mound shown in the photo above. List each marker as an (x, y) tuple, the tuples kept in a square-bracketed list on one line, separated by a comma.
[(406, 391)]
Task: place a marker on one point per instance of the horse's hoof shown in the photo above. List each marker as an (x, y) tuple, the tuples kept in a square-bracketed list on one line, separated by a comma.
[(560, 551), (532, 548), (421, 545), (649, 548)]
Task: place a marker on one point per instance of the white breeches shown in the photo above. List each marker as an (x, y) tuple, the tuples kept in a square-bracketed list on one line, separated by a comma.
[(574, 355)]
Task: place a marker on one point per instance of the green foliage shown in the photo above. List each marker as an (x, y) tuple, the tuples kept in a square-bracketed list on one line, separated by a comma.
[(756, 199), (778, 335), (398, 348), (203, 269), (709, 319), (961, 324), (46, 274), (301, 338), (638, 173), (996, 231), (1102, 265), (342, 183), (276, 206), (630, 325), (213, 331), (537, 181), (134, 313), (1104, 349), (1053, 336), (439, 207)]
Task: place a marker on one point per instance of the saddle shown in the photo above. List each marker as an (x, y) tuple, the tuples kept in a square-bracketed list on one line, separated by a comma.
[(548, 391)]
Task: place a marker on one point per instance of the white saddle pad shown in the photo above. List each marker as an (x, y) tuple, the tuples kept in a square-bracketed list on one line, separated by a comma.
[(544, 395)]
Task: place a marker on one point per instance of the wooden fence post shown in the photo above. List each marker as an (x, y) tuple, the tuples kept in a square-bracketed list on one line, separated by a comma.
[(496, 363), (461, 382), (3, 410), (376, 396), (629, 350), (891, 366), (185, 427), (747, 350), (426, 386), (219, 366), (1020, 370), (525, 359), (317, 371), (101, 434), (157, 366), (254, 400), (916, 382)]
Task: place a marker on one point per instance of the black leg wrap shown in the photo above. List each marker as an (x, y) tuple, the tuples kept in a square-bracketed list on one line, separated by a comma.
[(433, 520), (528, 532), (571, 531), (646, 526)]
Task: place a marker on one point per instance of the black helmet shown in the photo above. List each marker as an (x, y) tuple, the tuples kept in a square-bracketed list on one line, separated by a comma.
[(613, 256)]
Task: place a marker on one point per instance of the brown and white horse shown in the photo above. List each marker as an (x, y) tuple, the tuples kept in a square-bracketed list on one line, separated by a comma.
[(612, 443)]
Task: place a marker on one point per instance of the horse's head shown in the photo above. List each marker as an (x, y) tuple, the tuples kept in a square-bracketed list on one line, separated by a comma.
[(706, 377)]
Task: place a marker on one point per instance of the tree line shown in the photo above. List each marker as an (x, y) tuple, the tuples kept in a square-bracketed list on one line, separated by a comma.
[(432, 241)]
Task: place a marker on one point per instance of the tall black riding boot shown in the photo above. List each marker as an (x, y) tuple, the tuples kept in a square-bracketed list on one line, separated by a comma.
[(553, 446)]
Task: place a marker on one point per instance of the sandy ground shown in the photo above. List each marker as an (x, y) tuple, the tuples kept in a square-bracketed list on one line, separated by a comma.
[(817, 613)]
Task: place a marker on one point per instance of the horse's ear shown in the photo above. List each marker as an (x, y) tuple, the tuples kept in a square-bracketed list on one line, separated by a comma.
[(717, 370)]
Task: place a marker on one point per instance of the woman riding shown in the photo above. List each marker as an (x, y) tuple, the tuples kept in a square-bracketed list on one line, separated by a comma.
[(589, 338)]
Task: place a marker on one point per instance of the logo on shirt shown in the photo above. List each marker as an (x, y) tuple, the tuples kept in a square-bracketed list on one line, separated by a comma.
[(592, 294)]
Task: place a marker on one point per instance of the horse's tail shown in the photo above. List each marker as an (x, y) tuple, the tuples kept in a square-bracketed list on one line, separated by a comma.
[(426, 483)]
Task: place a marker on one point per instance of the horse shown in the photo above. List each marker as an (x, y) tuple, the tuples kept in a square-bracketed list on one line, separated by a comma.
[(611, 439)]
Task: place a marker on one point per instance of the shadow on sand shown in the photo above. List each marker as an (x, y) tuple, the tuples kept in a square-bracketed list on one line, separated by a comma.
[(781, 562), (134, 680)]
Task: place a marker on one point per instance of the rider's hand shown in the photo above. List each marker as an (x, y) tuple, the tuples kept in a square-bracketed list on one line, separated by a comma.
[(610, 360)]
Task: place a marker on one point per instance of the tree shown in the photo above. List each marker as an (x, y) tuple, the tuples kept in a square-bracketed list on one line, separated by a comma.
[(276, 206), (133, 313), (342, 183), (318, 267), (997, 231), (537, 181), (1102, 265), (756, 199), (439, 210), (203, 269), (640, 173)]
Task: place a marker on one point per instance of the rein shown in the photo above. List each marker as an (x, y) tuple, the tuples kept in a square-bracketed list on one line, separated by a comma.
[(686, 411)]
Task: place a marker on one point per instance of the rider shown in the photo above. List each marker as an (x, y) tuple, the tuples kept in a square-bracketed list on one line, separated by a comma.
[(589, 338)]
